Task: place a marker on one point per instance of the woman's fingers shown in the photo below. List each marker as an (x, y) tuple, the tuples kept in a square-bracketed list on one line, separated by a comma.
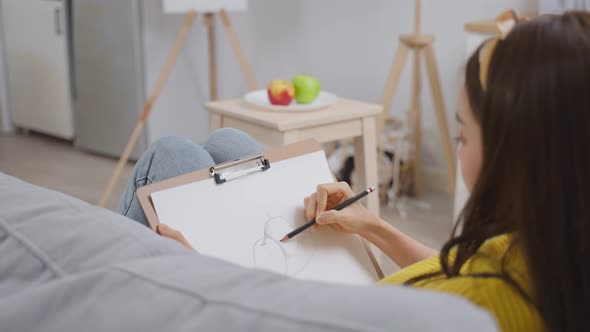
[(327, 190), (310, 206), (335, 219), (322, 199), (354, 219), (329, 217), (326, 197), (173, 234)]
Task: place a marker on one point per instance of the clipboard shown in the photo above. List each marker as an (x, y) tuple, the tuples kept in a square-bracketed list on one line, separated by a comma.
[(224, 174)]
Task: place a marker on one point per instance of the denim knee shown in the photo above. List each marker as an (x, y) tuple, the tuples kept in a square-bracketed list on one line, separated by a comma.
[(227, 144), (171, 143), (225, 134), (172, 156), (166, 158)]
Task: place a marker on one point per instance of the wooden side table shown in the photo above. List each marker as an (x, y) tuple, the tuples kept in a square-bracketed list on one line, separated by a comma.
[(347, 119)]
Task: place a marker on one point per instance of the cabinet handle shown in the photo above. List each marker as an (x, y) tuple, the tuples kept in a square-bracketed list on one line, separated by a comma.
[(57, 21)]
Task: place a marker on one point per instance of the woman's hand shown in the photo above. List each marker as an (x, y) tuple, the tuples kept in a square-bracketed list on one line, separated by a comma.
[(402, 249), (173, 234), (352, 219)]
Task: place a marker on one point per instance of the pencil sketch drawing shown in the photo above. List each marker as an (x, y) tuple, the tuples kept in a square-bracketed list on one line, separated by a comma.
[(289, 258)]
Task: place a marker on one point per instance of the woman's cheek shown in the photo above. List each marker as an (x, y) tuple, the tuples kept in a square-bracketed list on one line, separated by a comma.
[(468, 167)]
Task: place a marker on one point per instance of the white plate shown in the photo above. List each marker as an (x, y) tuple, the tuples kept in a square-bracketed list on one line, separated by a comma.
[(259, 99)]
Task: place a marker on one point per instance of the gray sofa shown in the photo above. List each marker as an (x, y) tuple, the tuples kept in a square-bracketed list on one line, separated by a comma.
[(69, 266)]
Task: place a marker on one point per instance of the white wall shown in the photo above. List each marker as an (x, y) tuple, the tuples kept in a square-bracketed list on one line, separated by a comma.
[(5, 120), (558, 6), (348, 44)]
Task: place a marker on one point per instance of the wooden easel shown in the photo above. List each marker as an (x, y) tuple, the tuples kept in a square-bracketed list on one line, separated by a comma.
[(165, 72), (420, 44)]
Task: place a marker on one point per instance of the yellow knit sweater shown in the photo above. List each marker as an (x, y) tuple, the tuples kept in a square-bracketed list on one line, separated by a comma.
[(512, 312)]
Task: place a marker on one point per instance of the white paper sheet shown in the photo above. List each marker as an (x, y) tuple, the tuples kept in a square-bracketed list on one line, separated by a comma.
[(242, 221)]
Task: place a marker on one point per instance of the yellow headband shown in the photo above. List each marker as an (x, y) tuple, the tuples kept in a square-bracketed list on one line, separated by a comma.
[(504, 24)]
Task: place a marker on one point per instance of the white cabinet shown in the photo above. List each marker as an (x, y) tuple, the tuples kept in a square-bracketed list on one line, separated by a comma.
[(37, 59)]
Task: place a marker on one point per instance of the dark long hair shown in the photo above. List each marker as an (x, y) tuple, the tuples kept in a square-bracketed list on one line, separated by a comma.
[(535, 177)]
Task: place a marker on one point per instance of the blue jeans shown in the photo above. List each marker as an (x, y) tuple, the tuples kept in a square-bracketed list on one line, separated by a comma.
[(173, 156)]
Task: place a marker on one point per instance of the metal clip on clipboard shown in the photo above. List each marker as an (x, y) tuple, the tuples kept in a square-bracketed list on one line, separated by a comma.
[(238, 168)]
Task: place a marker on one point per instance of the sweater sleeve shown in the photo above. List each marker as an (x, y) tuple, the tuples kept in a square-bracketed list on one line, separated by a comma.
[(428, 265), (511, 311)]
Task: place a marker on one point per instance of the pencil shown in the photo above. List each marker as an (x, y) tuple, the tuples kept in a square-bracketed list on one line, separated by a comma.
[(337, 208)]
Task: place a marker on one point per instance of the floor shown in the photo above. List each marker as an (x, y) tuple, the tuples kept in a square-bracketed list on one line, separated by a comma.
[(55, 164)]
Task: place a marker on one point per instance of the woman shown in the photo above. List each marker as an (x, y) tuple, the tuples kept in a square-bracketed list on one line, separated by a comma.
[(524, 121)]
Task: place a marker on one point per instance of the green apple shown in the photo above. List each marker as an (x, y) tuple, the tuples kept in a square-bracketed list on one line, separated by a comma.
[(307, 88)]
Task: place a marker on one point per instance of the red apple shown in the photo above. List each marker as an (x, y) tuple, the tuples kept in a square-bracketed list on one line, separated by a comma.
[(281, 92)]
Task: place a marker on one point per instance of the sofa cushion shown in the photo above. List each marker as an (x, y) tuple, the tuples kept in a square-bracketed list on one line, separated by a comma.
[(67, 265), (74, 235)]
